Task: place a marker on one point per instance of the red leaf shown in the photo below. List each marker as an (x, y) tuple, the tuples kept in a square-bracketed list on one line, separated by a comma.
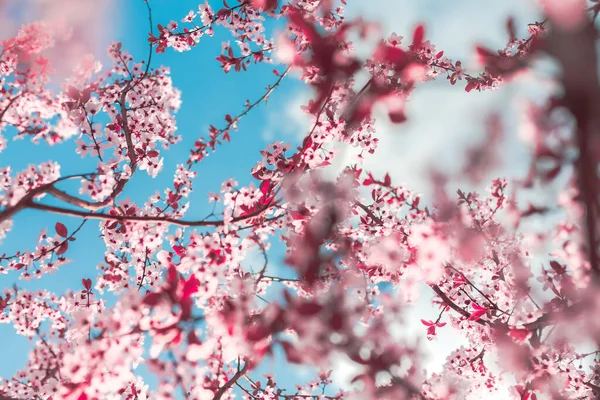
[(85, 95), (470, 86), (179, 250), (265, 5), (397, 116), (152, 299), (545, 152), (418, 35), (61, 229), (483, 52), (510, 27), (336, 322), (387, 181), (265, 187), (288, 297), (291, 353), (190, 287), (553, 173), (309, 308), (257, 333), (87, 283), (393, 55), (307, 143), (172, 275), (477, 313), (297, 216), (529, 396), (73, 93), (62, 248), (557, 267), (415, 204)]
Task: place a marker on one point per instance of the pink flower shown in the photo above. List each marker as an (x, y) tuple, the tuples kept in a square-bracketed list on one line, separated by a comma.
[(394, 40), (431, 327), (478, 312)]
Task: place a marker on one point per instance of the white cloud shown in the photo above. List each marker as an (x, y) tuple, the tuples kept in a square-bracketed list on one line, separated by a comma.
[(452, 26), (287, 121)]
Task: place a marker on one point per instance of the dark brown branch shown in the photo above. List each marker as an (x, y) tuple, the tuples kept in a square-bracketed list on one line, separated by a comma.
[(10, 103), (223, 389), (9, 212), (369, 212), (140, 218), (453, 305)]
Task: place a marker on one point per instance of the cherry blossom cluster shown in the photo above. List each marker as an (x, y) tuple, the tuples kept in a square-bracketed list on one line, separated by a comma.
[(244, 21), (190, 300)]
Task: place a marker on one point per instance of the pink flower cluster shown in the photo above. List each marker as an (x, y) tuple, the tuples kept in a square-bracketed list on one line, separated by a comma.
[(201, 304)]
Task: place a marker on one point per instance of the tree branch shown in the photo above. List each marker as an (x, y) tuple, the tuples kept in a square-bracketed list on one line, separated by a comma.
[(231, 382), (140, 218)]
